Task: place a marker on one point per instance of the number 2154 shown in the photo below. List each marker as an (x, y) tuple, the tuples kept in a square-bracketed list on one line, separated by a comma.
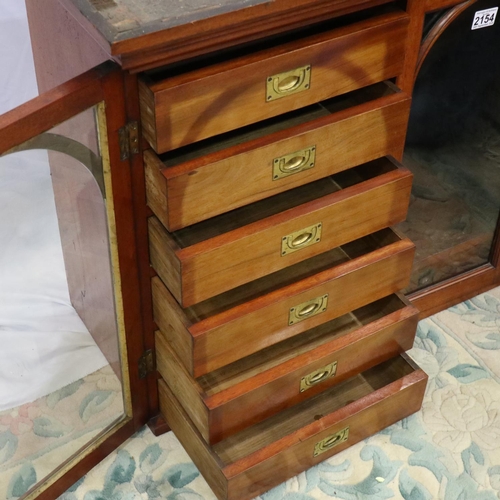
[(484, 18)]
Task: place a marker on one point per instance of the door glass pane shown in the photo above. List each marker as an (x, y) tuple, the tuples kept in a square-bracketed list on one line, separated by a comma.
[(453, 150), (61, 376)]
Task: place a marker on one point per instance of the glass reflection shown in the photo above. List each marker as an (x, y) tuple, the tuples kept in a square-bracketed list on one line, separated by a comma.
[(60, 370)]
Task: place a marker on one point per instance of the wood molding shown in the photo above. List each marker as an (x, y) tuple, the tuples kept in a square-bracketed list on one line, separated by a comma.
[(455, 290), (433, 5), (189, 40), (438, 30)]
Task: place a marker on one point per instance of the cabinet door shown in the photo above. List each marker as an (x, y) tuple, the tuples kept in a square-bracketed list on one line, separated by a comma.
[(453, 150), (71, 331)]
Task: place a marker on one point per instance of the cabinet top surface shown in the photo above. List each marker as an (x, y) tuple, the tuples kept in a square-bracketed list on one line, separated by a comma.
[(124, 19)]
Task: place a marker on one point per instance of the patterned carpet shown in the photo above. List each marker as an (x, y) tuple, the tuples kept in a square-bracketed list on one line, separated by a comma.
[(450, 450), (38, 436)]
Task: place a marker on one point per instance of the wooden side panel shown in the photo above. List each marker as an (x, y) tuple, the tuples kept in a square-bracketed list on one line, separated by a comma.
[(198, 450), (157, 193), (83, 229), (148, 113), (182, 385), (222, 98), (222, 263), (173, 323), (342, 141), (62, 50), (229, 336), (164, 258)]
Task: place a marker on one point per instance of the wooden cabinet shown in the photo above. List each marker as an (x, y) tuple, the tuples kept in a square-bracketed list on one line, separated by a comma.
[(256, 147), (258, 298)]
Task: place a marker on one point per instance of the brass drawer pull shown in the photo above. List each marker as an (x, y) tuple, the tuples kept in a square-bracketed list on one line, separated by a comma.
[(318, 376), (331, 441), (288, 83), (301, 239), (293, 163), (307, 309)]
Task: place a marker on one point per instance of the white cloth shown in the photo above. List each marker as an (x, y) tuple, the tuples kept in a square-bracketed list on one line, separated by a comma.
[(43, 343)]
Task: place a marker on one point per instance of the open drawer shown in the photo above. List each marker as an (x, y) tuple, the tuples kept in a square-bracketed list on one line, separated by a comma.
[(264, 455), (211, 257), (254, 388), (270, 157), (186, 105), (233, 325)]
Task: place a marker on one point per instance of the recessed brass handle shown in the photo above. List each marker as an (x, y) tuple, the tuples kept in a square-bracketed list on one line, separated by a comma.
[(293, 163), (331, 441), (301, 239), (318, 376), (288, 83), (307, 309)]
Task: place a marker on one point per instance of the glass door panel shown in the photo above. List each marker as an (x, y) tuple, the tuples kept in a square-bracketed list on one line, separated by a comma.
[(453, 150), (63, 371)]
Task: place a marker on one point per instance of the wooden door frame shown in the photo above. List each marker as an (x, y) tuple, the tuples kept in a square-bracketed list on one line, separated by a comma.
[(102, 84)]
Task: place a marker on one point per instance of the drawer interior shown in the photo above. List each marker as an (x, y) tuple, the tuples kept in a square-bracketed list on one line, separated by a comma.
[(272, 125), (287, 200), (289, 275), (239, 371), (258, 436)]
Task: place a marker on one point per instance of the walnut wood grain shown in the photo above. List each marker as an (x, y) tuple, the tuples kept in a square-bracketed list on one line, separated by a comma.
[(248, 391), (242, 173), (212, 100), (212, 257), (236, 324), (238, 467)]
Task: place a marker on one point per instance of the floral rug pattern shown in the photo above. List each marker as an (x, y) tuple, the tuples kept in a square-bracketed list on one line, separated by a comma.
[(449, 450), (36, 437)]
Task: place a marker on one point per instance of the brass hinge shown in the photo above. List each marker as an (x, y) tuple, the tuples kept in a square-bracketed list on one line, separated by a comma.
[(129, 140), (146, 364)]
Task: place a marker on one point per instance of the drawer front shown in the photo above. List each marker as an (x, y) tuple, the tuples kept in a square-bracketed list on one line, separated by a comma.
[(242, 330), (213, 100), (275, 163), (227, 401), (257, 459), (226, 261)]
